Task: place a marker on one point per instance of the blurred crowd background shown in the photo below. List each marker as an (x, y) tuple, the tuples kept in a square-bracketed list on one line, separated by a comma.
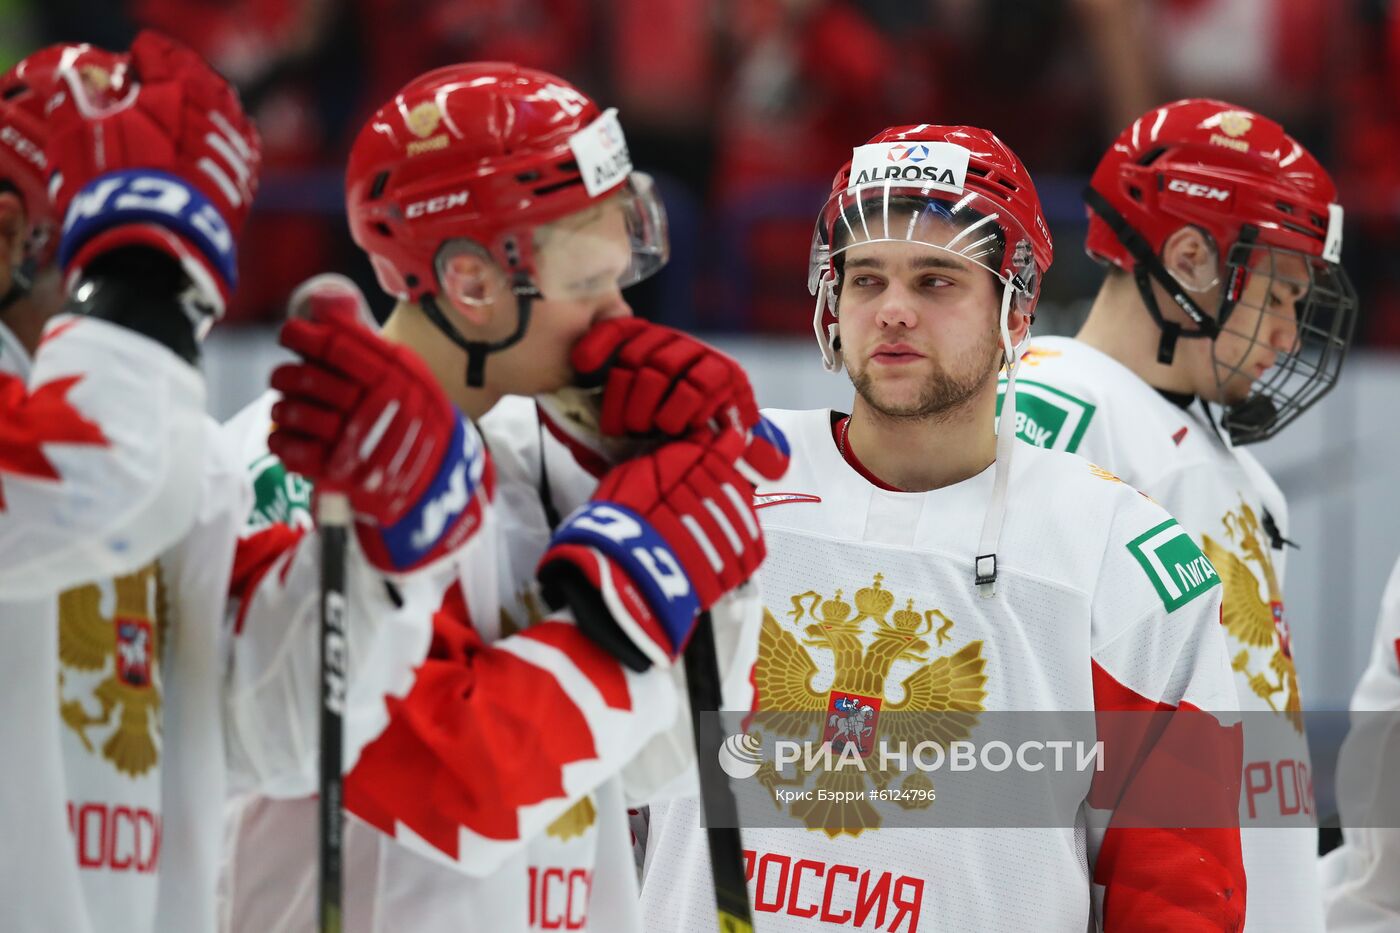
[(743, 109)]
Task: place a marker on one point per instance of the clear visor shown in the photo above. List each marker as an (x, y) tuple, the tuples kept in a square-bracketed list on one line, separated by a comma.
[(968, 227), (605, 247), (1282, 344)]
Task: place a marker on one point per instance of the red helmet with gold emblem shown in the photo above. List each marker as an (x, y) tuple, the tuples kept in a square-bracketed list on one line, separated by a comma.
[(1216, 166), (1268, 208), (486, 152)]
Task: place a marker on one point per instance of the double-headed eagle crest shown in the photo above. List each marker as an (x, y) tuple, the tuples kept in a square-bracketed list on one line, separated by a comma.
[(856, 709), (1252, 620), (125, 646)]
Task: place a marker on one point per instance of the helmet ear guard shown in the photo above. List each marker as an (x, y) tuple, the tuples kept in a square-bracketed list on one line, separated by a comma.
[(521, 287), (828, 333)]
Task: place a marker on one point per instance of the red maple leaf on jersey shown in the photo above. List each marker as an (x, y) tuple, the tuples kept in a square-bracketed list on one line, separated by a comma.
[(32, 420), (482, 733)]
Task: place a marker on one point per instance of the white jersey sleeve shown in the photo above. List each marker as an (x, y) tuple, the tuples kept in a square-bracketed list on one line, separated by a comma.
[(100, 457), (1359, 877), (1157, 654)]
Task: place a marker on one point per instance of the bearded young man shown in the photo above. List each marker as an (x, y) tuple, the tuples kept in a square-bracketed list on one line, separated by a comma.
[(986, 576)]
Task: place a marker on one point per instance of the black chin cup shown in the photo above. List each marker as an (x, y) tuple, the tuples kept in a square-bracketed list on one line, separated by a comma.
[(1250, 420)]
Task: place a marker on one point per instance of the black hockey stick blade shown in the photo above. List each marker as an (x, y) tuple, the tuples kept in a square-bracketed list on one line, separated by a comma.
[(734, 914)]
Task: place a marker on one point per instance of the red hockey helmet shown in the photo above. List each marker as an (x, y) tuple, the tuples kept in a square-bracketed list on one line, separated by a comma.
[(1218, 167), (955, 188), (29, 93), (1259, 196), (486, 152)]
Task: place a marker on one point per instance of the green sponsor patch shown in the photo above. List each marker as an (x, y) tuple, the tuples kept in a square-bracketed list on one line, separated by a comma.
[(1175, 565), (278, 496), (1047, 417)]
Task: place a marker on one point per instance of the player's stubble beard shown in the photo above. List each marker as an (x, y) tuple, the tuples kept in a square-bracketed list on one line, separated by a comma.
[(944, 392)]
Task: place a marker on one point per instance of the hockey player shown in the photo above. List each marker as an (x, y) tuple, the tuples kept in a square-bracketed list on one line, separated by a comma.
[(1359, 878), (102, 428), (980, 581), (1224, 315), (499, 206), (154, 167)]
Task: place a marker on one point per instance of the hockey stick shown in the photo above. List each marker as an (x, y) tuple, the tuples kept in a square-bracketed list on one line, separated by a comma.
[(333, 523), (333, 520), (575, 410), (716, 798)]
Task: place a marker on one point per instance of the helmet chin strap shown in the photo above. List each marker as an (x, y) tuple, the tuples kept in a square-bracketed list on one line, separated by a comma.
[(985, 567), (21, 281), (1149, 268), (525, 294)]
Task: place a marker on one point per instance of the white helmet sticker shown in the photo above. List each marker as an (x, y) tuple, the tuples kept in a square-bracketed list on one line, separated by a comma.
[(1332, 246), (925, 165), (601, 151)]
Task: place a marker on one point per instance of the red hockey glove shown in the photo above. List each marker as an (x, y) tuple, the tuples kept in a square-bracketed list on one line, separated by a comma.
[(659, 380), (663, 538), (366, 416), (162, 157)]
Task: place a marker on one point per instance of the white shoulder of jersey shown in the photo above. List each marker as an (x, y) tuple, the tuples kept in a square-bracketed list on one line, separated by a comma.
[(114, 478), (1380, 684), (1072, 520), (1073, 397), (247, 431)]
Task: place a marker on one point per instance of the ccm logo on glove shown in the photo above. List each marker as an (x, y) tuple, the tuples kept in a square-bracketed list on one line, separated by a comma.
[(665, 536), (135, 196)]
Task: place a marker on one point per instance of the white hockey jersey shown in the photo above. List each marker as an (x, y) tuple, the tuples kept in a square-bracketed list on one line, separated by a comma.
[(1102, 604), (1361, 878), (102, 437), (212, 645), (1072, 397), (496, 798)]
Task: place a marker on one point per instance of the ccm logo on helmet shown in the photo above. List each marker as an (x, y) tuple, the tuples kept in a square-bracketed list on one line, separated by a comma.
[(26, 148), (1194, 189), (443, 202)]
